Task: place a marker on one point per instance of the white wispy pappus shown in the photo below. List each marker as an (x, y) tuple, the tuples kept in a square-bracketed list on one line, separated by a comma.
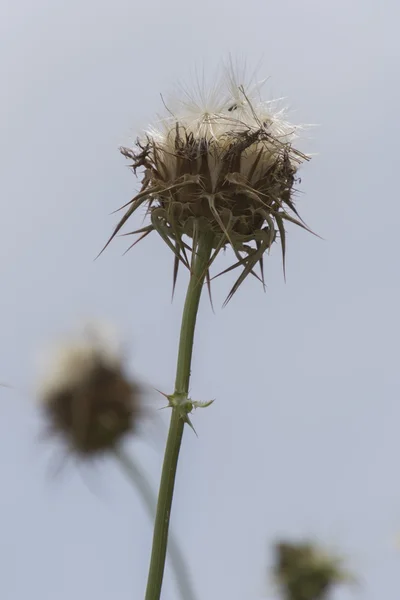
[(87, 397), (221, 161)]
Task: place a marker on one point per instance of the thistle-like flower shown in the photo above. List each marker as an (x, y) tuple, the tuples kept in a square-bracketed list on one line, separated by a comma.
[(221, 162), (306, 572), (87, 397)]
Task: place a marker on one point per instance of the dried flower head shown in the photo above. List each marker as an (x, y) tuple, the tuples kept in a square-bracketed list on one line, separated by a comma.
[(220, 161), (305, 572), (86, 395)]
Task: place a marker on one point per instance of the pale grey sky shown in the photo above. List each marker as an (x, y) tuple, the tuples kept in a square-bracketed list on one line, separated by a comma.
[(303, 438)]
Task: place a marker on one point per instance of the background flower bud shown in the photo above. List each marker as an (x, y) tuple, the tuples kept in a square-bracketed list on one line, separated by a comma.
[(305, 572), (87, 398)]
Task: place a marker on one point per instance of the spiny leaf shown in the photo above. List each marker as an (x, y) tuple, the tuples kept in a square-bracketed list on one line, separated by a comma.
[(165, 234), (138, 200), (141, 194), (271, 230), (252, 261), (211, 203), (296, 222), (177, 235), (261, 263), (208, 280), (292, 207), (138, 240), (141, 230), (122, 222), (195, 237), (282, 232), (218, 248), (240, 262), (189, 422), (232, 267), (175, 275)]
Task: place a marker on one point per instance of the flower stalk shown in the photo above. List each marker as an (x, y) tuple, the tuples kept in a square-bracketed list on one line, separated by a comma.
[(140, 481), (180, 404)]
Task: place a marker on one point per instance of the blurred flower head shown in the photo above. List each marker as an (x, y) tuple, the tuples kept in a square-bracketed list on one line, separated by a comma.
[(87, 397), (221, 160), (305, 572)]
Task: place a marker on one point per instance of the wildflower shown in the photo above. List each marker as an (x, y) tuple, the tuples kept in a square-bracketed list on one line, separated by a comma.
[(221, 162), (86, 395), (305, 572)]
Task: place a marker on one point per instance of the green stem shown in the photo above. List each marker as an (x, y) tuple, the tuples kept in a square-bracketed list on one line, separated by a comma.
[(201, 256), (140, 481)]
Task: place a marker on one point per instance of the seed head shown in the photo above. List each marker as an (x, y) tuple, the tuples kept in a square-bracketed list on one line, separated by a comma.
[(220, 161), (87, 397), (305, 572)]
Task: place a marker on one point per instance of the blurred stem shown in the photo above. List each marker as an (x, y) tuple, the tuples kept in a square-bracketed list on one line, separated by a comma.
[(139, 479), (200, 257)]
